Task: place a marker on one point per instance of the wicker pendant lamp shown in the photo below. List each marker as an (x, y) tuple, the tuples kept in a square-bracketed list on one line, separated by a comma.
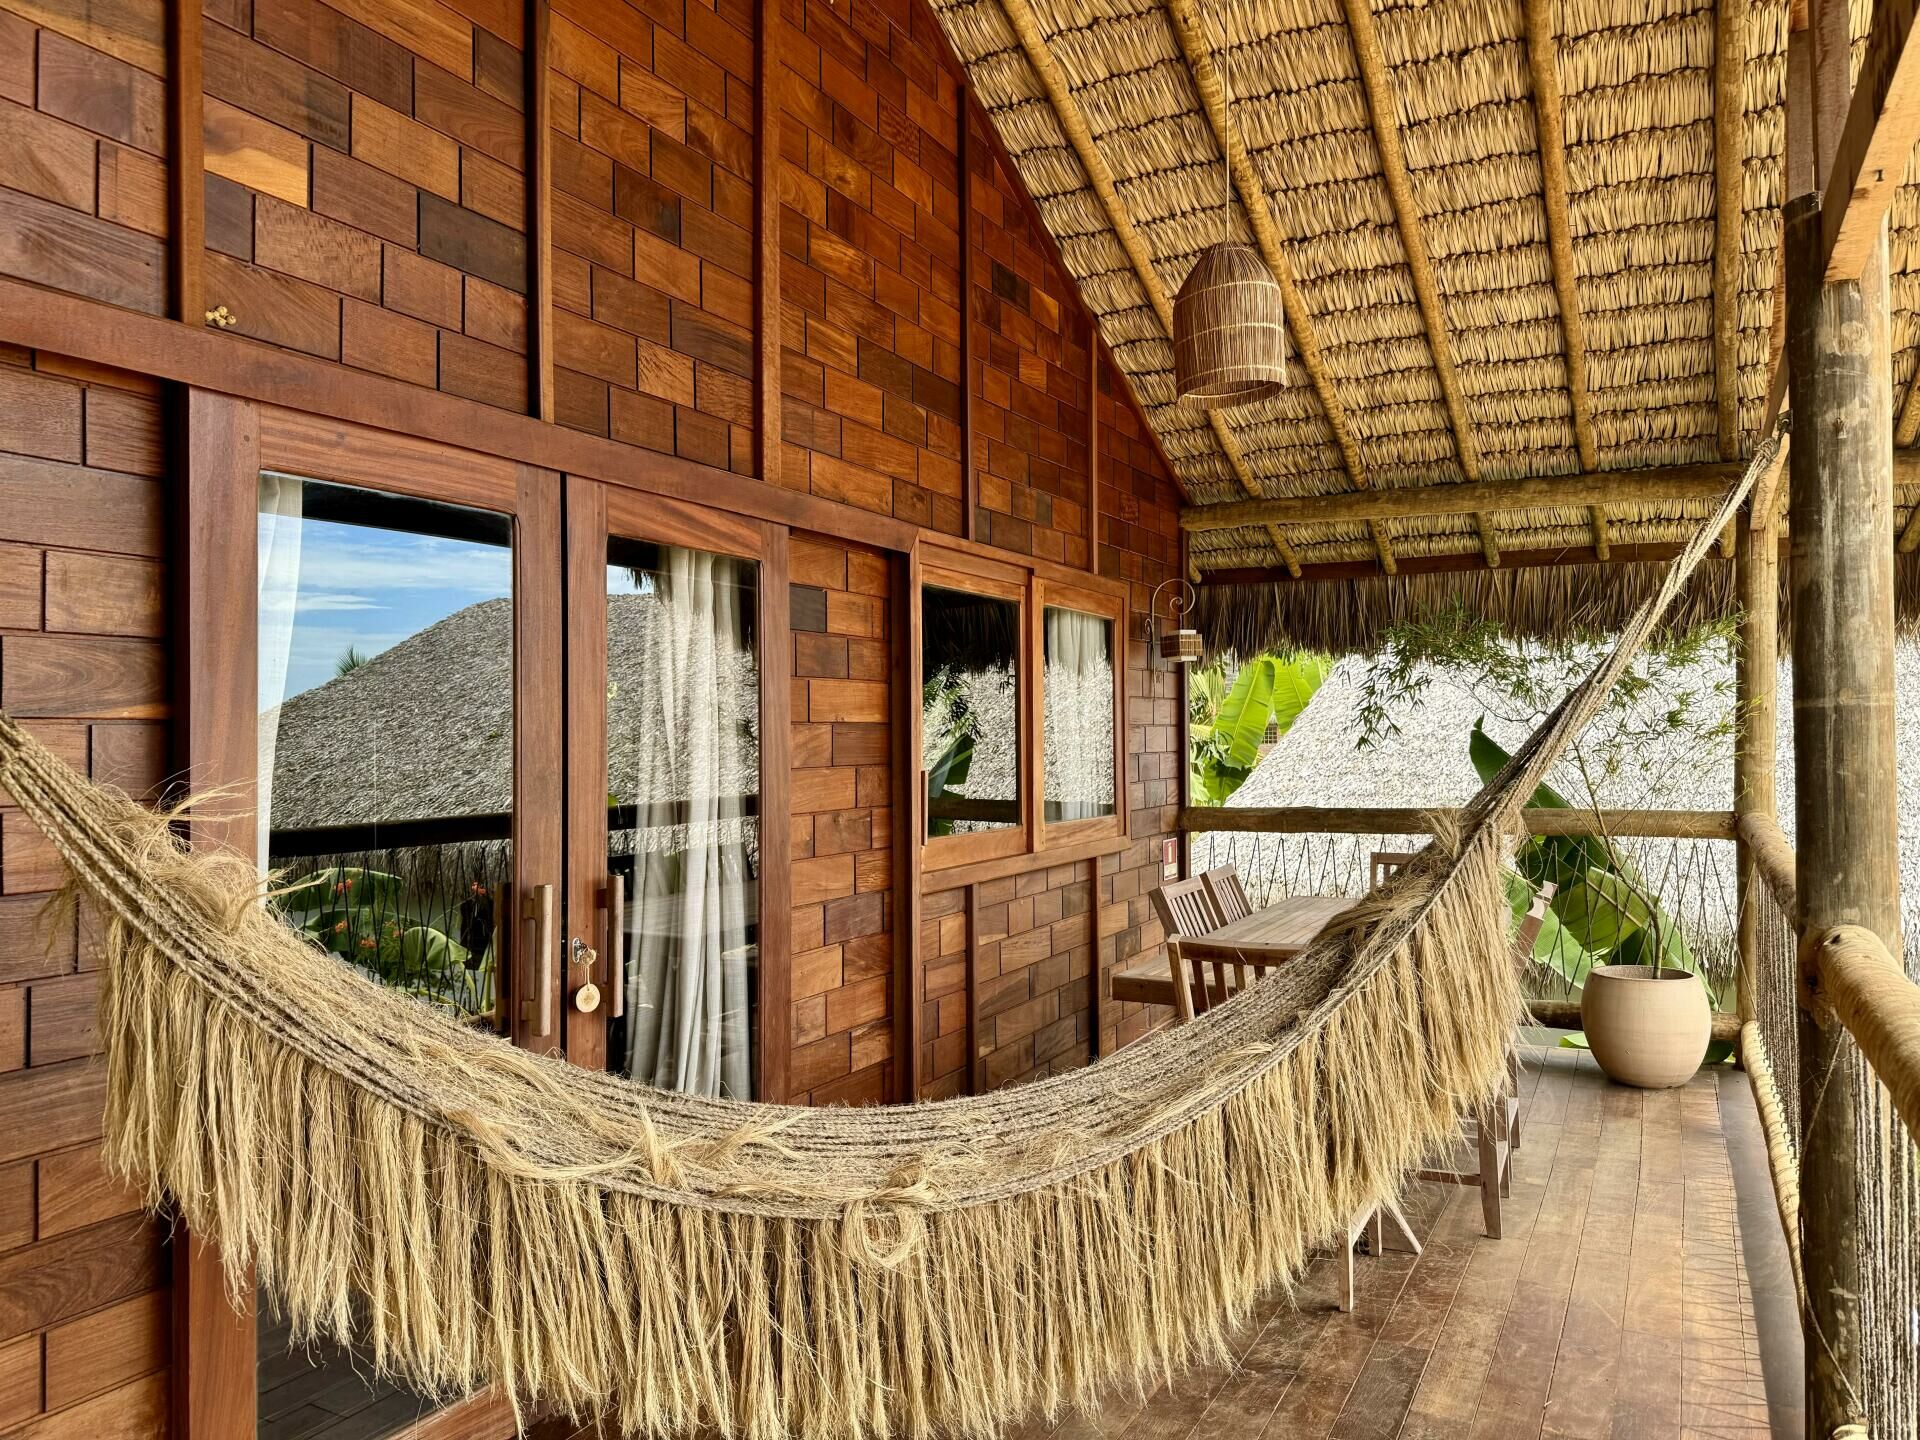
[(1229, 325)]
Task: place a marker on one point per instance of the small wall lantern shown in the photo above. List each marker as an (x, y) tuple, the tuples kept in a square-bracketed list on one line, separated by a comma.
[(1177, 644)]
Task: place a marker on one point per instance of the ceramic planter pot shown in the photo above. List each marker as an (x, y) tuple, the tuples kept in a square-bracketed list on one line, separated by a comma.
[(1647, 1027)]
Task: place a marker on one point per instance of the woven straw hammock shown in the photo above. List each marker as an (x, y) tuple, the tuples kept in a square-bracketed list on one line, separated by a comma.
[(474, 1214)]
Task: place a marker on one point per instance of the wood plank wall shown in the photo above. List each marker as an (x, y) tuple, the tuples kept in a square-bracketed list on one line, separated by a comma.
[(83, 1315), (365, 202)]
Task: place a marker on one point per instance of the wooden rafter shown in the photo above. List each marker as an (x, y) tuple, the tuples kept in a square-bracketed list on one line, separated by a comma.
[(1073, 124), (1882, 125), (1907, 426), (1189, 30), (1549, 114), (1413, 241), (1610, 488), (1729, 189)]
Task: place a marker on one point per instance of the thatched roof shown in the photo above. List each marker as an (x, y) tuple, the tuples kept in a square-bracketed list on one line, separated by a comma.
[(1515, 239), (423, 730)]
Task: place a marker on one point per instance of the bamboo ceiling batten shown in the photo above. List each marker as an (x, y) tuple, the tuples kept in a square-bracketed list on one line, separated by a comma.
[(1525, 242), (677, 1264)]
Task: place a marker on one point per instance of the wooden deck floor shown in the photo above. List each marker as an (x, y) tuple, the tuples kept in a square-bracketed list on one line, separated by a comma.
[(1619, 1306)]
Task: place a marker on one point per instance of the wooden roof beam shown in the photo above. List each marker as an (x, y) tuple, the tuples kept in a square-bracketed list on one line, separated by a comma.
[(1882, 126), (1610, 488), (1413, 241), (1729, 189), (1073, 124), (1549, 113)]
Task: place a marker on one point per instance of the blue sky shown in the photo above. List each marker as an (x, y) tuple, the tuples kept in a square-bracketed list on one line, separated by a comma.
[(369, 589)]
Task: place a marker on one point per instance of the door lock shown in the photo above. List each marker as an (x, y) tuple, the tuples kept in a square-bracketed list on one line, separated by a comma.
[(587, 998)]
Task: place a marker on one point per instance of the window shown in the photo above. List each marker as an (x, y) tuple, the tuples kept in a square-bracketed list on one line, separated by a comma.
[(970, 711), (1078, 722), (683, 813), (1021, 718)]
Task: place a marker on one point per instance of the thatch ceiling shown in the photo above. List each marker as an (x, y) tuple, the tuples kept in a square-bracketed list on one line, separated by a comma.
[(1501, 222)]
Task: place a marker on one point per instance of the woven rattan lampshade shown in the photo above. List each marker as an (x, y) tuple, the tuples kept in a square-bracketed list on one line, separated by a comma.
[(1229, 329)]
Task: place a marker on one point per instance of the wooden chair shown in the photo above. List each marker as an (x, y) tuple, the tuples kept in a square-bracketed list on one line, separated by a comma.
[(1186, 909), (1495, 1131), (1387, 864), (1229, 895)]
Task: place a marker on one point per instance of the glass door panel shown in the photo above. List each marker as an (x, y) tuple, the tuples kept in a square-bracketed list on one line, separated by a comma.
[(682, 814), (386, 787)]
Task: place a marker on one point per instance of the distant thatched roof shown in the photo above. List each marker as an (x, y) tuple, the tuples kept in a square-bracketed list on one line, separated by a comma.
[(1515, 242), (424, 730)]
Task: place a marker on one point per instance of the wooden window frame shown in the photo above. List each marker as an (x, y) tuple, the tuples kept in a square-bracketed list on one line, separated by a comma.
[(998, 581), (597, 511), (1102, 604), (953, 564)]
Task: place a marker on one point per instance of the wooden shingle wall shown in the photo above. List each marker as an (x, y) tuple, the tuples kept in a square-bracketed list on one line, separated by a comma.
[(83, 1333), (365, 186), (652, 111), (1031, 382), (843, 955), (83, 172), (870, 259)]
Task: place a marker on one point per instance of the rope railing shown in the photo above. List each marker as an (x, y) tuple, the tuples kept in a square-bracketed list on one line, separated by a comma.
[(1856, 980)]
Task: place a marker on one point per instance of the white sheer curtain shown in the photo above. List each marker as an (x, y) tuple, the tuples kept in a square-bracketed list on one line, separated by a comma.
[(1077, 729), (277, 592), (696, 725)]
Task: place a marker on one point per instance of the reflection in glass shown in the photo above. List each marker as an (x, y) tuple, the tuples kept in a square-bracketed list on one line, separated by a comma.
[(1077, 728), (970, 711), (385, 799), (683, 803)]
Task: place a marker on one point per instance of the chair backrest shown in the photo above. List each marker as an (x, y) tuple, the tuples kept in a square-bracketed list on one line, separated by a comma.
[(1387, 864), (1229, 895), (1528, 930), (1186, 908)]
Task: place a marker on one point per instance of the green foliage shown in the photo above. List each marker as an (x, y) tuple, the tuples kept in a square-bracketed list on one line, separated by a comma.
[(950, 725), (360, 915), (1227, 727), (350, 660), (1602, 912)]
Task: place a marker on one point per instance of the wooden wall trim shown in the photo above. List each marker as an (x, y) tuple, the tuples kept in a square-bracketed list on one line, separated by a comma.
[(1093, 453), (248, 369), (539, 27), (186, 179), (766, 239), (776, 827), (976, 1069), (213, 1350), (969, 480), (908, 829)]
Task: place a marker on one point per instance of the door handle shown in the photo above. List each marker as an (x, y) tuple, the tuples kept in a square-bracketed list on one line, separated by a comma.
[(538, 1010), (617, 942)]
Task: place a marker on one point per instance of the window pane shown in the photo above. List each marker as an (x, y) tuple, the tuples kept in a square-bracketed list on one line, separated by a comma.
[(1077, 728), (683, 813), (385, 797), (970, 711)]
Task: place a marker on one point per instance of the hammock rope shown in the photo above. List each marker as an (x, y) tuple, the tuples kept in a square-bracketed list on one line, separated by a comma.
[(473, 1214)]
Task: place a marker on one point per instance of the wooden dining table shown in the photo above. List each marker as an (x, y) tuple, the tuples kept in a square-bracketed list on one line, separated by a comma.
[(1279, 931)]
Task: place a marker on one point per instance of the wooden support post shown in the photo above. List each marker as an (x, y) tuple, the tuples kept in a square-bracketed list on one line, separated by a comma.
[(540, 381), (1845, 784), (969, 481), (1758, 669)]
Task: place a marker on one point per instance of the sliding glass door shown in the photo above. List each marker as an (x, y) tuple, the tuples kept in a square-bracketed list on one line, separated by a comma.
[(674, 619)]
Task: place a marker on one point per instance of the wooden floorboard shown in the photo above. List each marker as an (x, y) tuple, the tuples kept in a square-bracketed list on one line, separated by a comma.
[(1617, 1307)]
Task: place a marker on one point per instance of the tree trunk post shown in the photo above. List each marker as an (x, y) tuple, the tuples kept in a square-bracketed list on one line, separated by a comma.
[(1757, 670), (1842, 590)]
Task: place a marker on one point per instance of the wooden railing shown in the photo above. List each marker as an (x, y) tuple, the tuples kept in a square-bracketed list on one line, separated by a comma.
[(1386, 820)]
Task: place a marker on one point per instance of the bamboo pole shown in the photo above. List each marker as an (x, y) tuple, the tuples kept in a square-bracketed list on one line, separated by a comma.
[(1756, 679), (1845, 783)]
